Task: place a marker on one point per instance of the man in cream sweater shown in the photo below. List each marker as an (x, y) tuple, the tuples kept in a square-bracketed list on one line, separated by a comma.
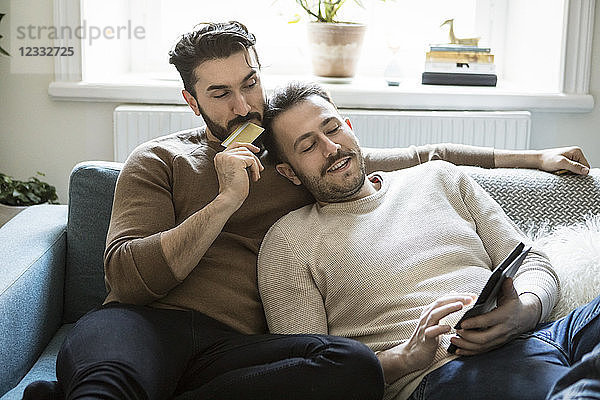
[(391, 259)]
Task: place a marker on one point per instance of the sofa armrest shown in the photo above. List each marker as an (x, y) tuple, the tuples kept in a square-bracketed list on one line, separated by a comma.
[(32, 269)]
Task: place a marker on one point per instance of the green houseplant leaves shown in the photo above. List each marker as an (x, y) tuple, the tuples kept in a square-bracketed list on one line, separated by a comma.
[(14, 192), (2, 51), (324, 10)]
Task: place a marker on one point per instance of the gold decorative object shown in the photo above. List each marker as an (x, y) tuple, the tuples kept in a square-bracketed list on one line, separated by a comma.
[(454, 40)]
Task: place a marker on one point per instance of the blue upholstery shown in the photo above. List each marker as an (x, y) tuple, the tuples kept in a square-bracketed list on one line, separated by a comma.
[(91, 192), (45, 259), (32, 268), (51, 273), (44, 367)]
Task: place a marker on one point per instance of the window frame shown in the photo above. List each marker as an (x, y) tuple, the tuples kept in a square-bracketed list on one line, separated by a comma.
[(575, 68)]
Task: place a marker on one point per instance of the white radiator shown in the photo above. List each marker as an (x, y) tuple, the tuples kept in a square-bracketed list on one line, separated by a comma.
[(375, 128), (136, 124), (503, 130)]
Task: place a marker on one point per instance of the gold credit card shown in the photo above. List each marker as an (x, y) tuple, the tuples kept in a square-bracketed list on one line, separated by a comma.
[(246, 133)]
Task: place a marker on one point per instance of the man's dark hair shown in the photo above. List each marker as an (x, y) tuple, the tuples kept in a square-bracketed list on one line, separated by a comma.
[(214, 40), (282, 100)]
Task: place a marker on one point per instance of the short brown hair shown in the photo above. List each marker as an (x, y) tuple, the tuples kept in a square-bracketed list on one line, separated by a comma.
[(283, 99), (212, 41)]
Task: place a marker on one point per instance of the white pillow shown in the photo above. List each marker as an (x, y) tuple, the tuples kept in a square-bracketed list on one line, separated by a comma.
[(574, 251)]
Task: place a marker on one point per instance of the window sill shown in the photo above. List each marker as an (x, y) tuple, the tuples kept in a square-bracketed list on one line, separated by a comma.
[(362, 93)]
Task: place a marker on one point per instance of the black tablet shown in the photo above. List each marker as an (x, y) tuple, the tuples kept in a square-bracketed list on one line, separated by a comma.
[(487, 299)]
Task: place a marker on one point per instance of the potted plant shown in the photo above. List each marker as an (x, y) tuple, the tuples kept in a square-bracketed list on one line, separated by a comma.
[(335, 45), (2, 51), (16, 195)]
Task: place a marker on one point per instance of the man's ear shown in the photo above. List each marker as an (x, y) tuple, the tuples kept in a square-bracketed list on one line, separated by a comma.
[(191, 101), (286, 170)]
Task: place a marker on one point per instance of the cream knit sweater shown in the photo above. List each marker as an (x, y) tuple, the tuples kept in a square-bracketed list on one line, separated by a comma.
[(365, 269)]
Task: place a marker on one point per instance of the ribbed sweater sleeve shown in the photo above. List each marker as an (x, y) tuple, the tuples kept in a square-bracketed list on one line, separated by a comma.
[(399, 158), (136, 271), (497, 231), (292, 301)]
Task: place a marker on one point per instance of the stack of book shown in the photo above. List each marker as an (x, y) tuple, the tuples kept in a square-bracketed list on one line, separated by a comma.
[(454, 64)]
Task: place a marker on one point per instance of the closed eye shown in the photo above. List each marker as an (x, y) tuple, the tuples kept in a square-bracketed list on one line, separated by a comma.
[(220, 96), (309, 148), (333, 131)]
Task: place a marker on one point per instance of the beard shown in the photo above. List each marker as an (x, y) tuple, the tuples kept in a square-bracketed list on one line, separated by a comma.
[(222, 132), (334, 192)]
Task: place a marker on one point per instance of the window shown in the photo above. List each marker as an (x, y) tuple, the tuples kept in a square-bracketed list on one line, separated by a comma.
[(525, 36), (541, 48)]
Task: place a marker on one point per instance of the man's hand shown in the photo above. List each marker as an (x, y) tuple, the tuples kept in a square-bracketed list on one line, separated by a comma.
[(514, 315), (419, 351), (558, 159), (564, 158), (185, 244), (233, 166)]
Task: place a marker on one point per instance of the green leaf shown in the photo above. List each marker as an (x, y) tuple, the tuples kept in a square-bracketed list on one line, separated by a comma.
[(25, 193)]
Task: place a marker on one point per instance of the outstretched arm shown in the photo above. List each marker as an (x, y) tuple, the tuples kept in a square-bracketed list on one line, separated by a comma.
[(565, 158), (399, 158)]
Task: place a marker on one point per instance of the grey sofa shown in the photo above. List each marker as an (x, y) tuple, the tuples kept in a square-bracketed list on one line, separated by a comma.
[(51, 269)]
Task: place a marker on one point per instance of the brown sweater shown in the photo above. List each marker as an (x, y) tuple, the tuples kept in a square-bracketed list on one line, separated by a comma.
[(166, 180)]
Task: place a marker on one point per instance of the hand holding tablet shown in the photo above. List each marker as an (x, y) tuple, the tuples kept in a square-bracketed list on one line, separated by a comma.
[(487, 299)]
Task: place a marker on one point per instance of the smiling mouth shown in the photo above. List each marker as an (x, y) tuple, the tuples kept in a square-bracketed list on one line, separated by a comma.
[(340, 165)]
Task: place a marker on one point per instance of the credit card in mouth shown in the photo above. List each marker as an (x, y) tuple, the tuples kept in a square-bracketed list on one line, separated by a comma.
[(246, 133)]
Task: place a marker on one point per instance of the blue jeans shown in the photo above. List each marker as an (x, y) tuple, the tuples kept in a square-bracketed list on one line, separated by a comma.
[(131, 352), (559, 360)]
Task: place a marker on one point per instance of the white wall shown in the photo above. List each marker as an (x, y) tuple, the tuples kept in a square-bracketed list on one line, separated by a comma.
[(40, 134)]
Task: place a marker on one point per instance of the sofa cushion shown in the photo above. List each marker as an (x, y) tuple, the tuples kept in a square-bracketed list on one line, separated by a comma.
[(533, 198), (44, 368), (91, 191), (32, 268)]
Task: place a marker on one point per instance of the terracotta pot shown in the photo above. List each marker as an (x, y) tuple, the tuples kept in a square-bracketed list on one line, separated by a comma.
[(335, 48), (8, 212)]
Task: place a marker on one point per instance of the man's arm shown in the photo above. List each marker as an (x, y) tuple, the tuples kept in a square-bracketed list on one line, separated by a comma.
[(399, 158), (184, 245), (146, 254), (290, 297), (567, 158), (520, 306)]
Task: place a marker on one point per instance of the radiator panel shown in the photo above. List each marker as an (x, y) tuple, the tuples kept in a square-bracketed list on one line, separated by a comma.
[(506, 130), (135, 124)]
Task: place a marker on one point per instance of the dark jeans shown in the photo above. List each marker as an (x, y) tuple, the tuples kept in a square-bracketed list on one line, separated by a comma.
[(132, 352), (558, 360), (582, 381)]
